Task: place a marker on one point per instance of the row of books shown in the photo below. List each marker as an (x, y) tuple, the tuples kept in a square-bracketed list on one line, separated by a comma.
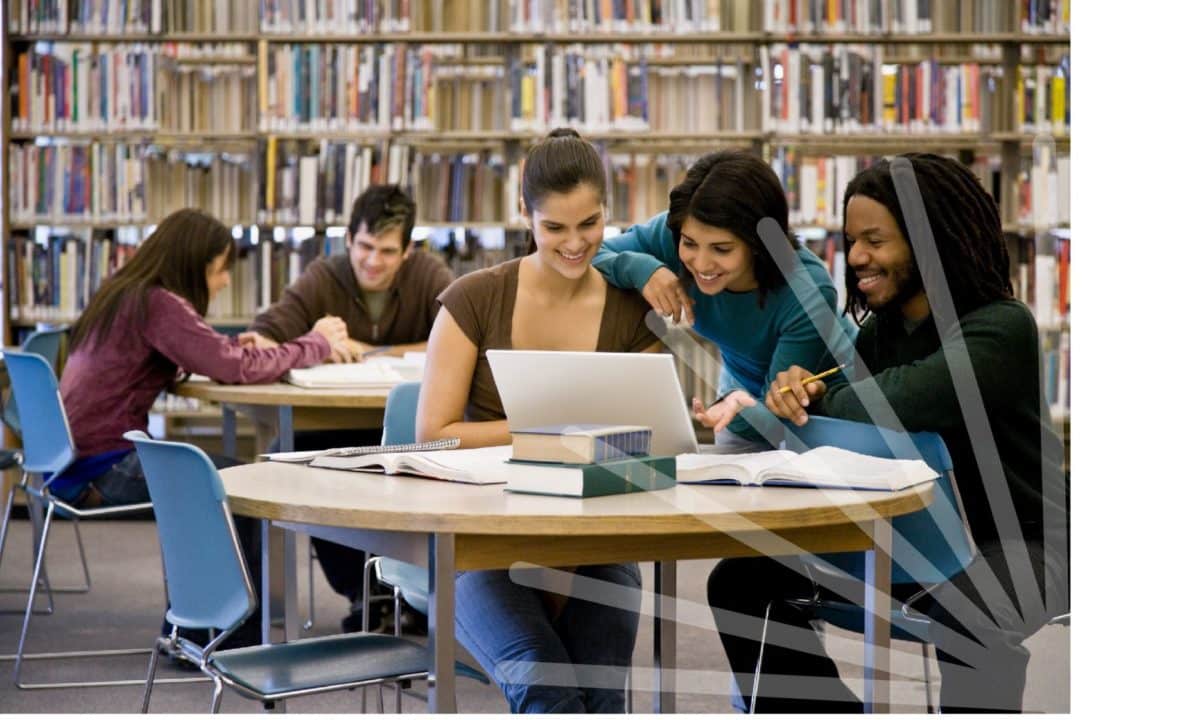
[(56, 277), (85, 16), (828, 17), (315, 183), (84, 86), (1044, 189), (600, 88), (99, 182), (848, 89), (378, 87), (308, 185), (1043, 101), (638, 16), (327, 88), (307, 17), (121, 17), (224, 184), (209, 98), (915, 17)]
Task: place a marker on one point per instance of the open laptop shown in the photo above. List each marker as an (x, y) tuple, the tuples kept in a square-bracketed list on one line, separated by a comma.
[(541, 387)]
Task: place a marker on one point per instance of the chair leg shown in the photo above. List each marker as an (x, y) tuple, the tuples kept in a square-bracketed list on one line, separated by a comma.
[(629, 691), (38, 514), (931, 706), (8, 506), (758, 664), (312, 588), (150, 676), (39, 559), (218, 689), (87, 575), (379, 687)]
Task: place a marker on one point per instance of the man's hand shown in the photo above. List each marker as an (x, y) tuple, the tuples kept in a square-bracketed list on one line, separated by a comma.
[(666, 295), (720, 414), (252, 339), (789, 394)]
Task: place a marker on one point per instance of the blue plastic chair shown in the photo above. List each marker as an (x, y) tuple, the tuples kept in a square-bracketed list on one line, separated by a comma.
[(208, 585), (408, 581), (48, 452), (938, 540), (47, 344)]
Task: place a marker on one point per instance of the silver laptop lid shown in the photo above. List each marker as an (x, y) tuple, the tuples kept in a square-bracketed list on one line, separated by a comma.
[(540, 387)]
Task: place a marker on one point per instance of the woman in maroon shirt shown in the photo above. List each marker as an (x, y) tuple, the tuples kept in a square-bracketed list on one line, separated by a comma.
[(143, 331)]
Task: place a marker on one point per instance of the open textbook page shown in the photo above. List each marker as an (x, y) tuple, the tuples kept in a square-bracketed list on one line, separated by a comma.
[(825, 466), (478, 466)]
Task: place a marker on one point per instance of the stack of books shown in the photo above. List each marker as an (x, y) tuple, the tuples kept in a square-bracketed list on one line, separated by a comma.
[(587, 461)]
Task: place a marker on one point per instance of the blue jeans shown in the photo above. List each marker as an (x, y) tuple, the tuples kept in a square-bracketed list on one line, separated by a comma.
[(576, 662)]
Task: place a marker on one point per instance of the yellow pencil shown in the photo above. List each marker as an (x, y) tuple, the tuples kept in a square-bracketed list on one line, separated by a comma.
[(812, 378)]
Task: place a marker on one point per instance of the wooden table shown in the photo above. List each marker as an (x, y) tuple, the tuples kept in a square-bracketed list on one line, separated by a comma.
[(292, 407), (449, 527)]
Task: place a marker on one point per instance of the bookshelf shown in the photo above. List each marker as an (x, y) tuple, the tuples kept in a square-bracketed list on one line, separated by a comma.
[(273, 115)]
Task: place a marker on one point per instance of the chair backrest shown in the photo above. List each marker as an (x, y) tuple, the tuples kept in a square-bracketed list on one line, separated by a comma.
[(48, 344), (939, 538), (35, 390), (207, 581), (400, 414)]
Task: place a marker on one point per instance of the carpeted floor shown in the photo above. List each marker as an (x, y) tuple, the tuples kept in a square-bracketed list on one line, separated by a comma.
[(125, 609)]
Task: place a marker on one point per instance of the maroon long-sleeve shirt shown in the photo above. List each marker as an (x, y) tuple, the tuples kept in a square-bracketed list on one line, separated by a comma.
[(108, 388)]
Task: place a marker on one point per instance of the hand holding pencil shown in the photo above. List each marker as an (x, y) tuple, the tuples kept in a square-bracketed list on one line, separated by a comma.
[(793, 389)]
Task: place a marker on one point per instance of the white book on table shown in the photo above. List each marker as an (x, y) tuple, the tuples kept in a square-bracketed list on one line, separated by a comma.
[(376, 372), (824, 467), (476, 466)]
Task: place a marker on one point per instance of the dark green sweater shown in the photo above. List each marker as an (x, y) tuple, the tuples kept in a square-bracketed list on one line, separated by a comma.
[(999, 343)]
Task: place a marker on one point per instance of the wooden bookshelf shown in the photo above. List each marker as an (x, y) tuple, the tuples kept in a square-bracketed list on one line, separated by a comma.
[(739, 52)]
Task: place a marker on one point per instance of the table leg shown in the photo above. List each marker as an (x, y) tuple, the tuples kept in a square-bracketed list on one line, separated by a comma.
[(287, 438), (441, 623), (264, 594), (664, 636), (877, 607), (228, 431)]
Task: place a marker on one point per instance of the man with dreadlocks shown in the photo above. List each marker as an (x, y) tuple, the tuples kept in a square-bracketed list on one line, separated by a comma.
[(944, 347)]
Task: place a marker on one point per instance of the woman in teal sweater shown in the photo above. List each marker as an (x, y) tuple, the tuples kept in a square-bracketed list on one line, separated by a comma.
[(705, 261)]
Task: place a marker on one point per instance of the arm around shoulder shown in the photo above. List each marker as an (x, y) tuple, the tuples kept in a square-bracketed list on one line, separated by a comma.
[(629, 259)]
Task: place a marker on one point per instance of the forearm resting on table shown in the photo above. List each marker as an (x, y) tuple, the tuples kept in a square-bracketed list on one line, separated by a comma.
[(393, 350), (471, 434)]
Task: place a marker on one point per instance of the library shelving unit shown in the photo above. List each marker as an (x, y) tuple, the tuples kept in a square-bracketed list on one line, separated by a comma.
[(273, 115)]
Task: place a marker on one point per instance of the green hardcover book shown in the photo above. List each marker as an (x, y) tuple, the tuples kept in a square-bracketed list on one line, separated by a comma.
[(610, 478)]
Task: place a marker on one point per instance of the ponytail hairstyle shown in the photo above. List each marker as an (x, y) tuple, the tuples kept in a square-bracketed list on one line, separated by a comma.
[(175, 257), (559, 163), (733, 190)]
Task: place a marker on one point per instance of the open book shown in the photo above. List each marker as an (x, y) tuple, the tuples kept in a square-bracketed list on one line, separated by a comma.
[(478, 466), (379, 371), (825, 466)]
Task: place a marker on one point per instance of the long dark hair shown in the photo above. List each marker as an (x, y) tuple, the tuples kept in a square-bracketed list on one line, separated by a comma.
[(965, 223), (174, 257), (734, 190), (559, 163)]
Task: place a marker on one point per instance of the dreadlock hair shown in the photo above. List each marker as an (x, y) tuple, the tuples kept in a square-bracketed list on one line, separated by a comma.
[(174, 257), (734, 190), (965, 223)]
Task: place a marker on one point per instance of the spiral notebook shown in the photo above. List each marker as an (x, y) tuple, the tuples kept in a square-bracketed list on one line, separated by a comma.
[(305, 456)]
